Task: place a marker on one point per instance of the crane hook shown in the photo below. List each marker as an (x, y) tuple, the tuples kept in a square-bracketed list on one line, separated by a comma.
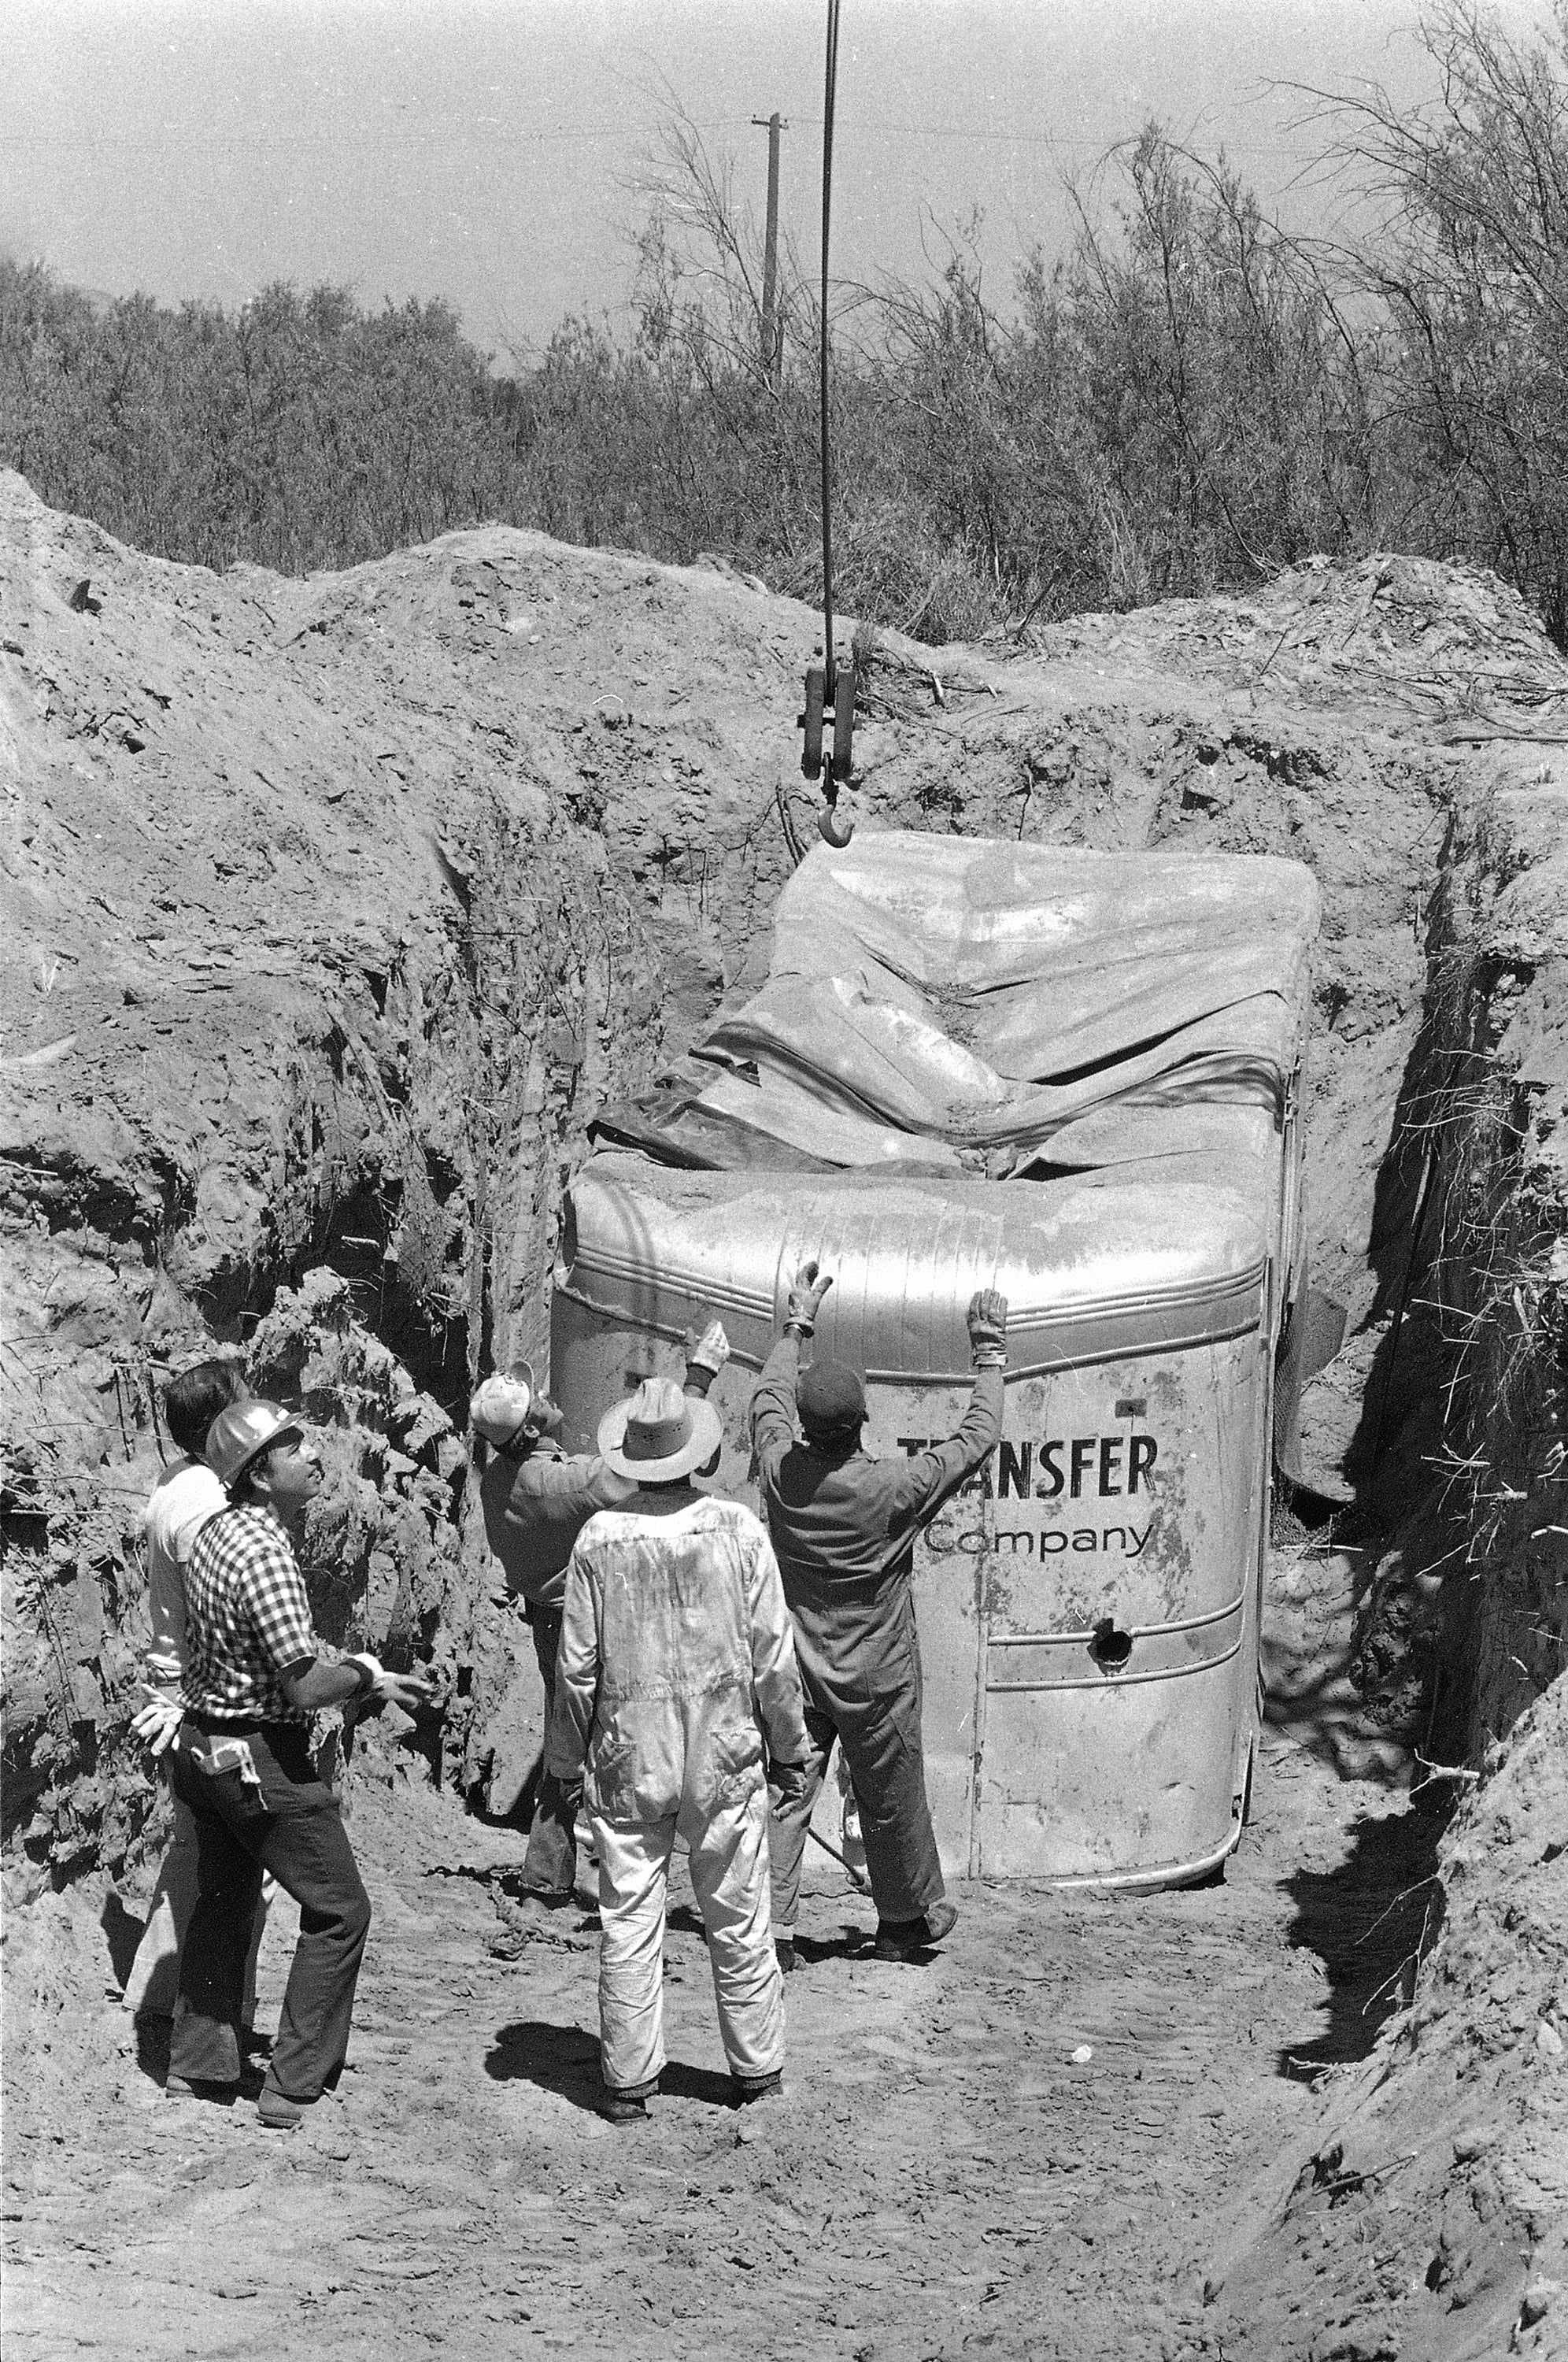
[(830, 827), (830, 702)]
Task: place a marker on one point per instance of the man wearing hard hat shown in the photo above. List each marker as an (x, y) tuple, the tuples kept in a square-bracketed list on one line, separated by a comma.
[(254, 1674), (676, 1682), (185, 1495), (536, 1499), (843, 1524)]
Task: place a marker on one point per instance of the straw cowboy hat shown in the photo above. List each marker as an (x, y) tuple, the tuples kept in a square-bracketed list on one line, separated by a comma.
[(500, 1409), (659, 1433)]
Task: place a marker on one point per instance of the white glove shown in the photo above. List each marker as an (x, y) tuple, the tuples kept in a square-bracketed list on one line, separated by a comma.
[(158, 1722), (388, 1688), (806, 1293), (706, 1358)]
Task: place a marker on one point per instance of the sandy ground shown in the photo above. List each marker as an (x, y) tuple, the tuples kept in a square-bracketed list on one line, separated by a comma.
[(519, 795), (1044, 2143)]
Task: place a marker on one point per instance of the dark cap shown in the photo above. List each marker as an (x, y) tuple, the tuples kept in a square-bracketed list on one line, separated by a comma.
[(829, 1399)]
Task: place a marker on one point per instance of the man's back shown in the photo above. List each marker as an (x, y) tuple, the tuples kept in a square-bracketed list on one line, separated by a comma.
[(675, 1652), (536, 1503), (183, 1500), (841, 1521), (837, 1519), (673, 1593)]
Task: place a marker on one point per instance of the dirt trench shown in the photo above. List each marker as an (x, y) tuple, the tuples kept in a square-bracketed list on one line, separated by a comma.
[(1089, 2129), (393, 875)]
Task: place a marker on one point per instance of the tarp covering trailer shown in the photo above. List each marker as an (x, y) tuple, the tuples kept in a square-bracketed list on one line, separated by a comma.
[(1076, 1078)]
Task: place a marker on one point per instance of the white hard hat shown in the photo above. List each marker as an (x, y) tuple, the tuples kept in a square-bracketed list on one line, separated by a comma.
[(500, 1409), (242, 1433)]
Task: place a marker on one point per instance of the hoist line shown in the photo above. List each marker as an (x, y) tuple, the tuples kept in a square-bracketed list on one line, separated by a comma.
[(829, 89)]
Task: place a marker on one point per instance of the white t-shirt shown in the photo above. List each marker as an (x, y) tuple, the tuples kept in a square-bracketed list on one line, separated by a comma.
[(183, 1500)]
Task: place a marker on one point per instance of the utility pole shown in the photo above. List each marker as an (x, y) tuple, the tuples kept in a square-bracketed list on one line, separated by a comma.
[(772, 343)]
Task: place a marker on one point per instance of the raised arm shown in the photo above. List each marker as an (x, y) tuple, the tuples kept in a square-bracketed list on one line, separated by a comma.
[(931, 1475), (773, 1404)]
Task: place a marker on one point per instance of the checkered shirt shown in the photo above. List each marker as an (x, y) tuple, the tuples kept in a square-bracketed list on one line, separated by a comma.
[(246, 1617)]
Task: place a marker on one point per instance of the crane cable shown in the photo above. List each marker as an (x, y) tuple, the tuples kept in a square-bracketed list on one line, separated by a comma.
[(830, 695), (829, 93)]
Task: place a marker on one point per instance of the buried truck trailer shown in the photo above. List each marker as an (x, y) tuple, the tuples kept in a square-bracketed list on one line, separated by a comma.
[(1074, 1077)]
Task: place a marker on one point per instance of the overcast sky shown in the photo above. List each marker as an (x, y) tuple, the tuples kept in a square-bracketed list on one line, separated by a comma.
[(478, 149)]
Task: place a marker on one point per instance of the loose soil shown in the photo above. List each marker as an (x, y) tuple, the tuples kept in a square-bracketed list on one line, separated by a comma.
[(1040, 2144), (1201, 2124), (332, 911)]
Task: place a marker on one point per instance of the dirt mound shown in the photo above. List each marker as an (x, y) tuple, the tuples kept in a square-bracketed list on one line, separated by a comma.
[(1451, 645), (333, 909)]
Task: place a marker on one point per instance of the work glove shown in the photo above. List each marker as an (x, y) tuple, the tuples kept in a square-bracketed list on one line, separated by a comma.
[(788, 1782), (988, 1330), (381, 1687), (158, 1722), (544, 1417), (706, 1358), (806, 1294)]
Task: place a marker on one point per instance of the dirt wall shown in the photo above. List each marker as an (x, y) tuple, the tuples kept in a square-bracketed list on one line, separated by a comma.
[(1481, 1153), (333, 908), (1423, 2216)]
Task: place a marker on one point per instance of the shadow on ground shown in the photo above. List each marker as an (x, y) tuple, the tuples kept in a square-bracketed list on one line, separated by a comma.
[(1370, 1920), (565, 2059), (123, 1931), (849, 1944)]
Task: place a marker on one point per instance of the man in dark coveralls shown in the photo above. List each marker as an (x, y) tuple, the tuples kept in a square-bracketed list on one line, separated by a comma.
[(843, 1527), (536, 1499)]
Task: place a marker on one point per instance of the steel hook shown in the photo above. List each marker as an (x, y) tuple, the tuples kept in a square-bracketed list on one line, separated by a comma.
[(832, 829)]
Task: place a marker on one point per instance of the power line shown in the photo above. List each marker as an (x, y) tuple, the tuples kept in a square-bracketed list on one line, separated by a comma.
[(235, 144)]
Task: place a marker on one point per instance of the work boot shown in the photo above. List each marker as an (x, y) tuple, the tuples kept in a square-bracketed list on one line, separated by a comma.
[(277, 2111), (748, 2088), (626, 2107), (904, 1939), (193, 2087), (786, 1956)]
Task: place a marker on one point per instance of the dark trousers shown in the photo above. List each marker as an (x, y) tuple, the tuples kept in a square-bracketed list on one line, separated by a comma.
[(550, 1862), (290, 1826), (880, 1732)]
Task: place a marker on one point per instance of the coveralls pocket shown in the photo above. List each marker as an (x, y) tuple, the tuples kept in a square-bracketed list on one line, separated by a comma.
[(734, 1766), (610, 1785)]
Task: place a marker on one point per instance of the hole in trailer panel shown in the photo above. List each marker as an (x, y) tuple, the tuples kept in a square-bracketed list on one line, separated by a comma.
[(1111, 1647)]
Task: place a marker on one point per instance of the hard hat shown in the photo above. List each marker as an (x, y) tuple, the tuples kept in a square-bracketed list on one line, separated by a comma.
[(242, 1433), (500, 1410)]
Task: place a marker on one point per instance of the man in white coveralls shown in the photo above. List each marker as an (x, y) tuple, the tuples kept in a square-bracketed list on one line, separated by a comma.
[(677, 1689)]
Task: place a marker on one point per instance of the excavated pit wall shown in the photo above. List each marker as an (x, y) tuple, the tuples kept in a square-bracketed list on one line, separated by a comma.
[(1493, 1256), (338, 906), (356, 1182)]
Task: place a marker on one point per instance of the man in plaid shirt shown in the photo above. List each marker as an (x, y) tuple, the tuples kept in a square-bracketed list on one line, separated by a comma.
[(254, 1675)]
